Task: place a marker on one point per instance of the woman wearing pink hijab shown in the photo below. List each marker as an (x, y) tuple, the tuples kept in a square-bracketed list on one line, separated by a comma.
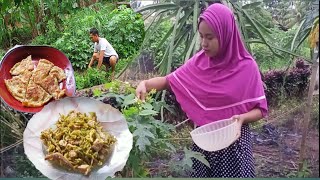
[(221, 81)]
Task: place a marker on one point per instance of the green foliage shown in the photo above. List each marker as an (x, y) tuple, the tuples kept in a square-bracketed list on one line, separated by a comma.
[(158, 35), (266, 58), (121, 27), (2, 52), (90, 78), (93, 77), (6, 10), (125, 30), (284, 14), (148, 132), (23, 20), (151, 136), (97, 92), (34, 16), (51, 35), (257, 13), (153, 45), (185, 165), (282, 38)]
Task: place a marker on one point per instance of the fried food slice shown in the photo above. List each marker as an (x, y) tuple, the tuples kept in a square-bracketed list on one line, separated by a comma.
[(51, 85), (60, 159), (84, 169), (58, 73), (42, 71), (35, 96), (18, 84), (20, 67)]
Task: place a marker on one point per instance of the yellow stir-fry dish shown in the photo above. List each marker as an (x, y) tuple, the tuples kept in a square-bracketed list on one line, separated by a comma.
[(78, 143)]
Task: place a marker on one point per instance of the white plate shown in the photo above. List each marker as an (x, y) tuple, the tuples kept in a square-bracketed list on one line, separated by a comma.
[(112, 121)]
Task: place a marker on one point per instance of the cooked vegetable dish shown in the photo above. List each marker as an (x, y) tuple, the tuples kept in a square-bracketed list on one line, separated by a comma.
[(78, 142)]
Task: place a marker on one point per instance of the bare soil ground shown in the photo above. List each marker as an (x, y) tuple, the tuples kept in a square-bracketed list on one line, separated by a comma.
[(277, 141)]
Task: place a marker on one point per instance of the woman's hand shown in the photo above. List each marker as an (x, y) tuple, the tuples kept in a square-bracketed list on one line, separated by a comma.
[(240, 119), (249, 117), (141, 91), (157, 83)]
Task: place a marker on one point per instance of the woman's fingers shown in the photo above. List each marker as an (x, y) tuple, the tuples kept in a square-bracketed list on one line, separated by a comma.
[(141, 91), (143, 96)]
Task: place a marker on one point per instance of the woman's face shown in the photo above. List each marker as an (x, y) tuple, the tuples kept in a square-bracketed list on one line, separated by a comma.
[(209, 41)]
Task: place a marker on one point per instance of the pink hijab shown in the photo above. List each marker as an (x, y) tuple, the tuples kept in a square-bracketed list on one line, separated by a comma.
[(212, 89)]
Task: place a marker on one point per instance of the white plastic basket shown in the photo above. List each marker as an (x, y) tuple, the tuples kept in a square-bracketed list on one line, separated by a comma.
[(216, 135)]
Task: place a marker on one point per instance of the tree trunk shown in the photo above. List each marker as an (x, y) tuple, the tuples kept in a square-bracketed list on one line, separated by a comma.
[(308, 107)]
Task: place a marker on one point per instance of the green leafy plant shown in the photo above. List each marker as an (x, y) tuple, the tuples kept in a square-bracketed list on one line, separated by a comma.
[(147, 131), (91, 77), (142, 124), (125, 30), (266, 58), (97, 92), (30, 17), (186, 164), (286, 14), (153, 45), (51, 34), (150, 135), (7, 21)]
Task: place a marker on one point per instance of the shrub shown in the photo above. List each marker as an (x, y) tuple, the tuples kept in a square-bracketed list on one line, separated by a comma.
[(123, 28), (296, 82), (51, 35), (125, 31), (91, 78)]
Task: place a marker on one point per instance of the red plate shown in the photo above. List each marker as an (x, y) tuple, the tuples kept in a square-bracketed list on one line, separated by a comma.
[(18, 53)]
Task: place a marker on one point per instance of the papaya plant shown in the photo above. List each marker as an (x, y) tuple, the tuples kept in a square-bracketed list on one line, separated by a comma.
[(149, 133)]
